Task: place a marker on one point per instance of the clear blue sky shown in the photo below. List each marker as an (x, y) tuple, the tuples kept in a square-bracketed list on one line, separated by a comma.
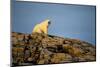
[(71, 21)]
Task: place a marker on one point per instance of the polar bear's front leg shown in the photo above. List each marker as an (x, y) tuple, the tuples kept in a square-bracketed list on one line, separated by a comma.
[(46, 30)]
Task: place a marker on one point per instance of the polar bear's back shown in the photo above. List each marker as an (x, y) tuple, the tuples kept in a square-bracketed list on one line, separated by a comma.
[(36, 29)]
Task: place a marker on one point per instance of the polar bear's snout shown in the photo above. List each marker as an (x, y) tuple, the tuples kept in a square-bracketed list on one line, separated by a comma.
[(49, 22)]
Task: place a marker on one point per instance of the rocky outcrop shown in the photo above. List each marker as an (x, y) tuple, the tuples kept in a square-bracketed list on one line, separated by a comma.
[(36, 49)]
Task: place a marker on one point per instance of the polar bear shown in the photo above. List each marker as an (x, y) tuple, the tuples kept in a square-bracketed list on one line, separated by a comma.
[(42, 27)]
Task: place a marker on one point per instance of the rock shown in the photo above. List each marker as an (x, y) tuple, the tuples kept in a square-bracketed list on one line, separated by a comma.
[(41, 61), (67, 42), (39, 48), (30, 59), (68, 57)]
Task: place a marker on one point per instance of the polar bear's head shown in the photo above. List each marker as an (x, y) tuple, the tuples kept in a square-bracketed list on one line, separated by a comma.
[(46, 22)]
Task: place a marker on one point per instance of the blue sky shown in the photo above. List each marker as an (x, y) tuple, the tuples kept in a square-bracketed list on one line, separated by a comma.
[(69, 21)]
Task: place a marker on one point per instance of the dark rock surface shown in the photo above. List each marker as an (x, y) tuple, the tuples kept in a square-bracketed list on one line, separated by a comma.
[(36, 49)]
